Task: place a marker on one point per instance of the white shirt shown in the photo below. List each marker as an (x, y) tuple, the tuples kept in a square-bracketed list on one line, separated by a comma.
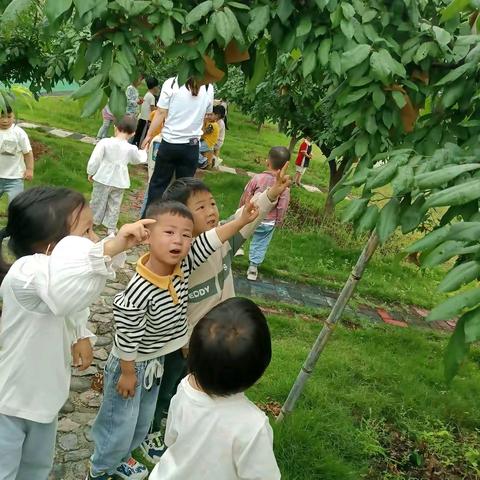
[(45, 311), (109, 161), (145, 110), (225, 438), (185, 112), (14, 144)]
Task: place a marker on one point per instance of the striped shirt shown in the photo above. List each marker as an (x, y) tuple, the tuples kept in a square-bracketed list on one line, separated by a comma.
[(150, 315)]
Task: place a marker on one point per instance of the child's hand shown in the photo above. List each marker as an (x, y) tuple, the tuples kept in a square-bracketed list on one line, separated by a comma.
[(90, 178), (126, 385), (249, 213), (129, 235), (28, 175), (82, 354), (282, 182)]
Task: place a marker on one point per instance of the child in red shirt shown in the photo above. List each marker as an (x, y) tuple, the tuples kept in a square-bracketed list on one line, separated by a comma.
[(303, 159)]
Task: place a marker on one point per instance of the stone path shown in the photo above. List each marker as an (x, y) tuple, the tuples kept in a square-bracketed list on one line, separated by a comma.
[(91, 140)]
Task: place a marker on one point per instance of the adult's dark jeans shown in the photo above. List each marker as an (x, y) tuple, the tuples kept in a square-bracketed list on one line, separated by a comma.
[(174, 369), (179, 159)]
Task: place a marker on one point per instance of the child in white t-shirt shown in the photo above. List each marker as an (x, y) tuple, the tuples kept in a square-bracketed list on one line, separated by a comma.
[(213, 430), (108, 170), (61, 268), (16, 156), (146, 108)]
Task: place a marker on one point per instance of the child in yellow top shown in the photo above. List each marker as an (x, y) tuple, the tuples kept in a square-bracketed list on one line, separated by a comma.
[(211, 132)]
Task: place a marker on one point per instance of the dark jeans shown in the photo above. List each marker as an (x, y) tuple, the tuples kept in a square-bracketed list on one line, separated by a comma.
[(174, 369), (140, 132), (180, 160)]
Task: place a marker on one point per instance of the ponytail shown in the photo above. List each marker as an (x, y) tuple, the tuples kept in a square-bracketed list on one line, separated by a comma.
[(193, 86)]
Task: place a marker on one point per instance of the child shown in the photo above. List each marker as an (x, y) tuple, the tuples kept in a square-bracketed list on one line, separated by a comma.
[(108, 170), (60, 271), (213, 430), (146, 108), (219, 112), (209, 284), (150, 322), (133, 97), (303, 159), (108, 119), (16, 156), (278, 157), (211, 131)]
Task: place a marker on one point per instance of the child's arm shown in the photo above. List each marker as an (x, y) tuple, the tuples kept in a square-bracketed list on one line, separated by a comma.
[(137, 156), (229, 229), (248, 192), (28, 157), (282, 206), (95, 159)]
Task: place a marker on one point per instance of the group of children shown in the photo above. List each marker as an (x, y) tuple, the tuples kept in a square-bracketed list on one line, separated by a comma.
[(185, 349)]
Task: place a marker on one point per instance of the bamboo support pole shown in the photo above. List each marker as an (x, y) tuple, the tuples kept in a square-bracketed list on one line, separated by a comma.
[(332, 320)]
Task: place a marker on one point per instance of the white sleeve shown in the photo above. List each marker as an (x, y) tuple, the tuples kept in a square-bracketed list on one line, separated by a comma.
[(257, 461), (74, 276), (95, 158), (137, 156), (24, 141), (77, 325), (166, 94), (211, 95)]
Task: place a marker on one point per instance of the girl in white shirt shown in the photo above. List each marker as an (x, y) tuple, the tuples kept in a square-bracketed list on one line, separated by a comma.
[(213, 430), (108, 170), (60, 271)]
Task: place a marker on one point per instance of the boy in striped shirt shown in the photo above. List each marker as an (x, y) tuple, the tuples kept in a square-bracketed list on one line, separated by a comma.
[(150, 321)]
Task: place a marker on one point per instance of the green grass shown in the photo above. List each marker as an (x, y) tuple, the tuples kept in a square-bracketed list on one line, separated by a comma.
[(369, 382)]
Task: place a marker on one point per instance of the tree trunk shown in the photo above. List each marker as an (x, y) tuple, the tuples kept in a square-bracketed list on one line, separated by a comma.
[(332, 320), (293, 142), (259, 127), (336, 173)]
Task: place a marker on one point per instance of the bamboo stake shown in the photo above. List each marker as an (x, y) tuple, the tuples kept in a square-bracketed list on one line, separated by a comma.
[(329, 326)]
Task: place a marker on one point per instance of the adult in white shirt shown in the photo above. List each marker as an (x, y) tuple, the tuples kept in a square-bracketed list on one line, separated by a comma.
[(183, 109)]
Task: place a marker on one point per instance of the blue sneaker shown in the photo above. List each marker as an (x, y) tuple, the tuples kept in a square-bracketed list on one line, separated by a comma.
[(152, 448), (103, 476), (131, 470)]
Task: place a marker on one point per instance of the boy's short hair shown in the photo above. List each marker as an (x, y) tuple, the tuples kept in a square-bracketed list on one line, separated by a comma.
[(151, 82), (278, 157), (8, 108), (230, 347), (161, 207), (219, 110), (127, 124), (183, 188)]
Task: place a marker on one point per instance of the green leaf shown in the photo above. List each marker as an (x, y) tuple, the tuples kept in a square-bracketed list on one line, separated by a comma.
[(260, 70), (454, 74), (55, 8), (240, 6), (456, 195), (80, 66), (348, 10), (324, 50), (259, 19), (422, 51), (117, 102), (429, 241), (413, 215), (472, 325), (361, 145), (378, 97), (455, 305), (380, 176), (441, 36), (454, 8), (347, 28), (452, 93), (285, 9), (223, 26), (359, 177), (456, 351), (309, 61), (355, 56), (167, 32), (341, 149), (94, 51), (388, 220), (368, 220), (441, 253), (369, 15), (403, 180), (399, 99), (217, 4), (88, 87), (354, 209), (380, 70), (460, 275), (83, 6), (335, 63), (341, 193), (440, 177), (93, 104), (14, 9), (304, 26), (119, 76), (198, 12), (237, 30)]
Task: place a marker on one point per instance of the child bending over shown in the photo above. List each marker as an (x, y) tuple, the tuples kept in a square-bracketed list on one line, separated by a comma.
[(213, 430), (303, 160), (278, 158), (108, 170), (150, 319), (61, 269)]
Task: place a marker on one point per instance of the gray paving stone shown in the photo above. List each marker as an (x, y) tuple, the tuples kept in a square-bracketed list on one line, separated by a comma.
[(68, 441)]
